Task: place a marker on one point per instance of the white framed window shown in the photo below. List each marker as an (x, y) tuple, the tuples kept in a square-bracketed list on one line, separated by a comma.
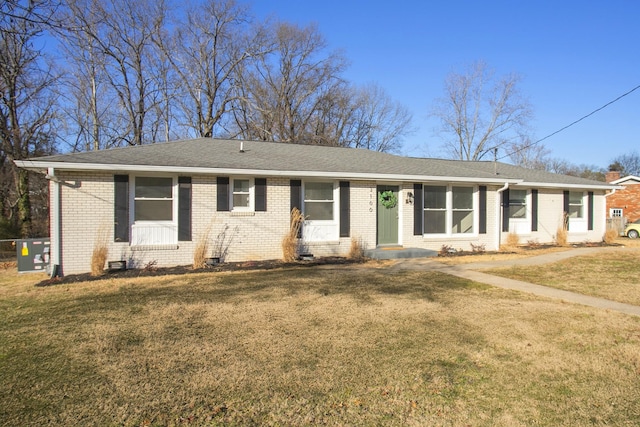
[(615, 213), (576, 204), (462, 210), (242, 194), (435, 209), (155, 211), (319, 201), (320, 209), (449, 210), (517, 204), (153, 199)]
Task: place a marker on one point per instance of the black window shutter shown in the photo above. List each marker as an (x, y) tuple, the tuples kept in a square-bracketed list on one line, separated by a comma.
[(296, 194), (534, 210), (261, 194), (590, 211), (482, 214), (418, 209), (565, 207), (223, 193), (345, 209), (295, 186), (505, 210), (121, 208), (184, 208)]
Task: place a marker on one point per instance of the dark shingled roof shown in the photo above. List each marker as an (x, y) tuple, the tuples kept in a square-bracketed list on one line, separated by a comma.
[(207, 153)]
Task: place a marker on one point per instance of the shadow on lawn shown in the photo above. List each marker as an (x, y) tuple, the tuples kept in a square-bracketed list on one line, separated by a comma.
[(269, 285)]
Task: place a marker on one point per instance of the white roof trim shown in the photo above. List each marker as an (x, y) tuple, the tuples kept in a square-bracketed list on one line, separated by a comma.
[(29, 164), (604, 186), (626, 178)]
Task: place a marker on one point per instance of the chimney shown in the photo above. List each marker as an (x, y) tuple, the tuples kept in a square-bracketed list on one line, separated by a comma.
[(612, 176)]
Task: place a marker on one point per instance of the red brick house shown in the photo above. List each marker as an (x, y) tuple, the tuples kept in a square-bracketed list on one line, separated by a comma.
[(625, 202)]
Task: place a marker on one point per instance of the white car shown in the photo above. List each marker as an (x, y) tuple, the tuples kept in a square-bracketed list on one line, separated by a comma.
[(632, 230)]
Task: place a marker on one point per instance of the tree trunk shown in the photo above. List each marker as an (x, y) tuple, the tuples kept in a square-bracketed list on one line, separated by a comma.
[(24, 203)]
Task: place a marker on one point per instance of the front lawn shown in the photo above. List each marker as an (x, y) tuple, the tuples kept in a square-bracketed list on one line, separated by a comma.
[(611, 275), (343, 345)]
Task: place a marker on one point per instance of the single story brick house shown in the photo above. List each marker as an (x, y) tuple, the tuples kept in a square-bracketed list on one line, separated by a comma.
[(155, 202), (624, 202)]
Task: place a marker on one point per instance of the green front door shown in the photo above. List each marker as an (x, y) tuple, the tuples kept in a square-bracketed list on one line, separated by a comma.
[(388, 214)]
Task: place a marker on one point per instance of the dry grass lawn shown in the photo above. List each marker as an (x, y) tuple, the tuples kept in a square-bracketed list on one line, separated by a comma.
[(335, 346), (610, 275)]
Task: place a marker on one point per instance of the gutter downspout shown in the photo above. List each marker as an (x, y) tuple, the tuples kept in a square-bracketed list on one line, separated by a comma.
[(55, 225), (499, 216)]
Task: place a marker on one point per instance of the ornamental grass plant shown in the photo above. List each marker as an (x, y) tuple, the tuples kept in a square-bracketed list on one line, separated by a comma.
[(100, 252), (290, 241)]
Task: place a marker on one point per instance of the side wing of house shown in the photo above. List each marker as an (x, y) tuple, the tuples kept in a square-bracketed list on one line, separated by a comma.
[(536, 214)]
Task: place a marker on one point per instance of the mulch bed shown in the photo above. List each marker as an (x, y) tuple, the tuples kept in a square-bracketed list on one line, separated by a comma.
[(187, 269), (525, 248), (265, 265)]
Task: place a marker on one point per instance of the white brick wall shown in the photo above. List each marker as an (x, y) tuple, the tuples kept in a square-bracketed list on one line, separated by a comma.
[(87, 201), (550, 210)]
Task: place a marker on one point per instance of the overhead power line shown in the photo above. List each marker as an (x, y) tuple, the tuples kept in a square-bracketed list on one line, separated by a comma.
[(572, 123)]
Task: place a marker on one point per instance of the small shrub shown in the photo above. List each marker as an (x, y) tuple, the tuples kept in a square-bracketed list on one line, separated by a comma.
[(290, 240), (151, 265), (446, 250), (223, 242), (512, 240), (356, 251), (533, 243), (478, 249), (610, 236)]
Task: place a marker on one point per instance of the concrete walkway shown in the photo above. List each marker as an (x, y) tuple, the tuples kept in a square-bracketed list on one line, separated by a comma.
[(469, 271)]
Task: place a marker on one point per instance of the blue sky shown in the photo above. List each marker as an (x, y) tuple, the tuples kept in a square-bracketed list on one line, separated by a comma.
[(573, 56)]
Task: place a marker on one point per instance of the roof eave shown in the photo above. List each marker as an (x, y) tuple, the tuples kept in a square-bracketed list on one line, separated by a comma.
[(626, 178), (602, 186)]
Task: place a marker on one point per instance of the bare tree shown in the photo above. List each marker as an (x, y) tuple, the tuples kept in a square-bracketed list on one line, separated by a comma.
[(26, 105), (380, 123), (124, 32), (91, 123), (283, 91), (627, 164), (480, 112), (363, 117), (531, 156), (207, 53)]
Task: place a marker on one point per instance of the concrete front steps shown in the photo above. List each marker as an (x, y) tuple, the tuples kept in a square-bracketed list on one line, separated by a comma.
[(398, 252)]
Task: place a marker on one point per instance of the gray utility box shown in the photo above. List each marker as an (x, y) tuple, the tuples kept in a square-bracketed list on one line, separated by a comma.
[(33, 254)]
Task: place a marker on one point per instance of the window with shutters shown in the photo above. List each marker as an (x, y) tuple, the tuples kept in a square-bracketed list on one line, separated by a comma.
[(320, 200), (576, 204), (154, 211), (518, 204), (153, 198), (242, 194)]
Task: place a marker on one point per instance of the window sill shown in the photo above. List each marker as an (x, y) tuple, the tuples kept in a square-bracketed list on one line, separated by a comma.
[(154, 247), (322, 243), (443, 237), (243, 213)]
